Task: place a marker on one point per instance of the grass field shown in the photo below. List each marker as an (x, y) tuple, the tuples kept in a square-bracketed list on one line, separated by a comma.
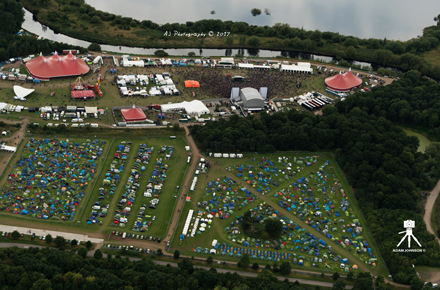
[(220, 169)]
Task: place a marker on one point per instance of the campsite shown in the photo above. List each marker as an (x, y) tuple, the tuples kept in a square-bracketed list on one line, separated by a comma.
[(211, 219), (116, 203), (51, 177), (66, 180)]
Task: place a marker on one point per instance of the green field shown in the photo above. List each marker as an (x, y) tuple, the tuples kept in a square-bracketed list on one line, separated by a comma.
[(223, 170)]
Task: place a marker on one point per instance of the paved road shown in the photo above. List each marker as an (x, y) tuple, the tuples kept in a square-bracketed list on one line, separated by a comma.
[(219, 270), (39, 232), (428, 210)]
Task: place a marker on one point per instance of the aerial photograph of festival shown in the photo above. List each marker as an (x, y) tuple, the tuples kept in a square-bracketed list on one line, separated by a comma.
[(219, 145)]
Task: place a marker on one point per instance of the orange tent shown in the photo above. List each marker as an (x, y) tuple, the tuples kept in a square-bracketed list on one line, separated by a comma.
[(192, 84)]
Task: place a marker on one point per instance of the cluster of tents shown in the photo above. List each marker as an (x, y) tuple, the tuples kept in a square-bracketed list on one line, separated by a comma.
[(229, 250), (294, 237), (49, 180), (264, 175), (225, 197), (298, 198)]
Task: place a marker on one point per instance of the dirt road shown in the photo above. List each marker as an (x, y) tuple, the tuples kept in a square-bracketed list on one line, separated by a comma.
[(14, 139), (186, 184), (428, 209)]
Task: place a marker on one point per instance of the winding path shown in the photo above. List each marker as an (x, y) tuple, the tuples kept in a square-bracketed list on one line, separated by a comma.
[(428, 209)]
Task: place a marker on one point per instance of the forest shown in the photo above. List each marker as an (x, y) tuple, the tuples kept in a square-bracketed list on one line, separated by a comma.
[(13, 45), (380, 161), (47, 269)]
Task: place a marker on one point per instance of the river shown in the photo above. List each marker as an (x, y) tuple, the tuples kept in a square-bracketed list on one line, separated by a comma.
[(41, 30), (393, 19)]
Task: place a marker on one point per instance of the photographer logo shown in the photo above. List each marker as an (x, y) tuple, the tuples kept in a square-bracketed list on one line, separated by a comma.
[(409, 225)]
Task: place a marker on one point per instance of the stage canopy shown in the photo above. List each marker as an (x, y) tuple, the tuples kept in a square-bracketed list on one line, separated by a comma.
[(22, 92), (45, 68), (343, 82), (192, 84), (133, 114)]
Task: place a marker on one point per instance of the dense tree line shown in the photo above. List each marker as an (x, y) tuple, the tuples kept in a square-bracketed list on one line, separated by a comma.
[(413, 100), (381, 162), (56, 269), (13, 45)]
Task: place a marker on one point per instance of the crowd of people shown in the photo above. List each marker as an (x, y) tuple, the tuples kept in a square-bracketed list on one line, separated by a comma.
[(217, 83)]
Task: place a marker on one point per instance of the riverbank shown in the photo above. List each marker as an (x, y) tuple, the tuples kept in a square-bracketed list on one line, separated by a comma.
[(68, 20)]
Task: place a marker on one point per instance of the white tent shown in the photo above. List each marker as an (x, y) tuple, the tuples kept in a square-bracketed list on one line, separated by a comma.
[(154, 92), (97, 60), (128, 62), (246, 65), (301, 67), (91, 110), (166, 91), (22, 92), (194, 108)]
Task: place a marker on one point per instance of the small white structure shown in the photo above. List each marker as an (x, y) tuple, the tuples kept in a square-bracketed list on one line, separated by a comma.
[(128, 62), (4, 133), (91, 110), (8, 148), (21, 92)]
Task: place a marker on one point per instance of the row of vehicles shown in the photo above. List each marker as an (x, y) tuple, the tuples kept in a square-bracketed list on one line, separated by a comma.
[(127, 199), (131, 248), (63, 114)]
